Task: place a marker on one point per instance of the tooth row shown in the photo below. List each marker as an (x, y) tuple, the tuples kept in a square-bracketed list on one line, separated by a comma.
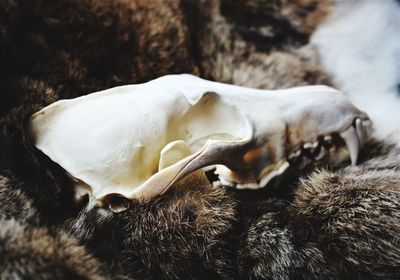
[(355, 136), (309, 152)]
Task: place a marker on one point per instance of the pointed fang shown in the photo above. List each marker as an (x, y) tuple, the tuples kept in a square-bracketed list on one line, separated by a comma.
[(361, 132), (352, 142)]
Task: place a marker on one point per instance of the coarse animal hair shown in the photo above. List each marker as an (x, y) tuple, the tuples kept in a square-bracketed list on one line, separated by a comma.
[(339, 222)]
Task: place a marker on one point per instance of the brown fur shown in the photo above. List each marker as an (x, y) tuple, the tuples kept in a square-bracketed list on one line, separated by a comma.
[(231, 44), (333, 224), (28, 252), (182, 235), (15, 204), (353, 216)]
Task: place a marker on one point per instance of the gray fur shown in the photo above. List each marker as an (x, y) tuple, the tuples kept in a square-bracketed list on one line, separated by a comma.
[(340, 222)]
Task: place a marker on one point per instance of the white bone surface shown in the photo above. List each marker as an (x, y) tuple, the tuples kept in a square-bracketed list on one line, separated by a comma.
[(137, 140)]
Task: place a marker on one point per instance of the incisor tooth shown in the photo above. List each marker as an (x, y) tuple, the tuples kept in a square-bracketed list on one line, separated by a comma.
[(352, 142)]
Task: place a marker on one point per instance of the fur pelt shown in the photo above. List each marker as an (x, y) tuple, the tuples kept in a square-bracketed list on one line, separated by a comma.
[(340, 222)]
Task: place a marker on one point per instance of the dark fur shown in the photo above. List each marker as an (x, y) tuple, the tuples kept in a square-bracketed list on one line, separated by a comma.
[(341, 223), (28, 252)]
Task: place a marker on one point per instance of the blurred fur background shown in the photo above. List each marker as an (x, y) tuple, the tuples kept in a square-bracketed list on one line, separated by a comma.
[(341, 222)]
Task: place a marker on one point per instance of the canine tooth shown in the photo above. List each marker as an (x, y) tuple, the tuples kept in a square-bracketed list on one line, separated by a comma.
[(352, 142), (361, 131), (265, 180)]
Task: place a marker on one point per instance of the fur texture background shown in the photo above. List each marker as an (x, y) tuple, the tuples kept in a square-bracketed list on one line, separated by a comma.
[(341, 222)]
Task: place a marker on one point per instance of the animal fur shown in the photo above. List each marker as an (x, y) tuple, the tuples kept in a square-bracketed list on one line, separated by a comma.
[(360, 39), (341, 222)]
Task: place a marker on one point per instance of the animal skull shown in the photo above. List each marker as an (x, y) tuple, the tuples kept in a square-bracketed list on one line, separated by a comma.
[(136, 141)]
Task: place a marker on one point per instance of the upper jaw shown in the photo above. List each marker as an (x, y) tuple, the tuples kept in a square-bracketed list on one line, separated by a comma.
[(137, 141)]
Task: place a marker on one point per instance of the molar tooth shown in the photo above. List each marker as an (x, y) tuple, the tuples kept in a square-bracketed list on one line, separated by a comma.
[(322, 153), (328, 139), (294, 155), (352, 142), (307, 145), (310, 149), (311, 145)]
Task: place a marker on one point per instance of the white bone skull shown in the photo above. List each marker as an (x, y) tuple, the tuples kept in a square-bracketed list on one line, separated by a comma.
[(136, 141)]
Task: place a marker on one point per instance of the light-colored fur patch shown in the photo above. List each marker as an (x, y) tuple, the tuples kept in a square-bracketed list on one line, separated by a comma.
[(359, 44)]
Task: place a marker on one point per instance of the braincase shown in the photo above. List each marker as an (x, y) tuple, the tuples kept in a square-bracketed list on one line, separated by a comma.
[(136, 141)]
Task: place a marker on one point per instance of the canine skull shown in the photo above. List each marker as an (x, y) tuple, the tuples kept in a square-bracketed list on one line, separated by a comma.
[(136, 141)]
